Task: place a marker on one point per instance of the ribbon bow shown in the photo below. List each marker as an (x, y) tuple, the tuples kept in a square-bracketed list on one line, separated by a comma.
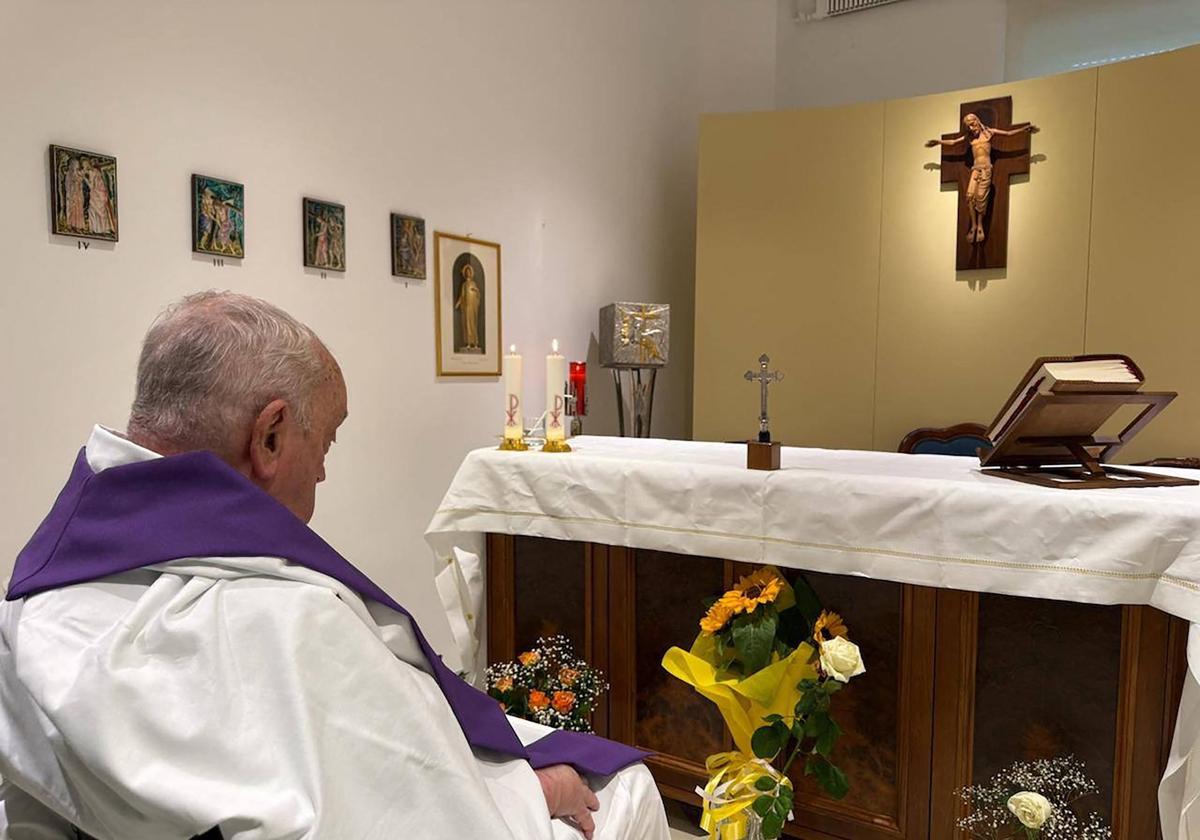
[(730, 792)]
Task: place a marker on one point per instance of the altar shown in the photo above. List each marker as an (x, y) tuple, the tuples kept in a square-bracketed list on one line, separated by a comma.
[(999, 621)]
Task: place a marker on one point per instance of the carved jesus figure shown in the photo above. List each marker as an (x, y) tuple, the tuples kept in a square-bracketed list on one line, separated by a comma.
[(979, 190)]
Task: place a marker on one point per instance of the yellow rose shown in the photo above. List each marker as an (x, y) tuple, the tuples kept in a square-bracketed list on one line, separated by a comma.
[(531, 657), (840, 659), (1032, 809)]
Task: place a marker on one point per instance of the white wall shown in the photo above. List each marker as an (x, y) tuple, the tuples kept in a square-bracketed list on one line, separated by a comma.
[(916, 47), (563, 129), (905, 49), (1051, 36)]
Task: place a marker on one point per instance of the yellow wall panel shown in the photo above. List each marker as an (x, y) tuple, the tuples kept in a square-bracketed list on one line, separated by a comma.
[(952, 345), (826, 238), (788, 264), (1145, 283)]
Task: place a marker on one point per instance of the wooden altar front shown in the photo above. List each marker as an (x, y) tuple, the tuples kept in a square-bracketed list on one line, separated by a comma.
[(958, 684)]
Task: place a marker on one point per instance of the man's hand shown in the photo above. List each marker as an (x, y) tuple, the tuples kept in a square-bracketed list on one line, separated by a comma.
[(568, 797)]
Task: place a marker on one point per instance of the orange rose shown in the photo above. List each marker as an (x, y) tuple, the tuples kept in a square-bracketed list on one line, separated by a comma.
[(531, 657), (567, 676), (564, 701), (504, 684), (538, 700)]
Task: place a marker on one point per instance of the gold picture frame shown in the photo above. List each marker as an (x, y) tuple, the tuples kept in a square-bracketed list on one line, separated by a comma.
[(466, 301)]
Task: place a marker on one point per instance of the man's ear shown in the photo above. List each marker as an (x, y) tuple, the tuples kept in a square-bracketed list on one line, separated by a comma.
[(266, 440)]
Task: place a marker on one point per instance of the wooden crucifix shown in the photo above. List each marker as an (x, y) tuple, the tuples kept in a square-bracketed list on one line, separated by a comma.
[(981, 158)]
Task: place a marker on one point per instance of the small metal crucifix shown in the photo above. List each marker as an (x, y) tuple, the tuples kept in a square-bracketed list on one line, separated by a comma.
[(764, 378)]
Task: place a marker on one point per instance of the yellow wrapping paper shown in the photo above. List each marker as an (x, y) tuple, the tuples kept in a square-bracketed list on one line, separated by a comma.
[(743, 703)]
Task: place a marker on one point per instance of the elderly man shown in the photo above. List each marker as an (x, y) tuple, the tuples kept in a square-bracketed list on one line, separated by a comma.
[(180, 655)]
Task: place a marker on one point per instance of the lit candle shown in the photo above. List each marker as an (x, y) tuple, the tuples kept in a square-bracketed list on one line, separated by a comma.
[(513, 428), (556, 386)]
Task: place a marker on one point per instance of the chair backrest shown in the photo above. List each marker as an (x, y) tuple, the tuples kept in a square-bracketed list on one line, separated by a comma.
[(963, 439), (1184, 463)]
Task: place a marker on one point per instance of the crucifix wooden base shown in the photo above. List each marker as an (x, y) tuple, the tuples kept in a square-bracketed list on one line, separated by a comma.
[(762, 456), (1009, 156)]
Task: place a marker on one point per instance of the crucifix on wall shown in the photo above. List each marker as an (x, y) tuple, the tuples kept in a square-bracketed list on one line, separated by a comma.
[(981, 159)]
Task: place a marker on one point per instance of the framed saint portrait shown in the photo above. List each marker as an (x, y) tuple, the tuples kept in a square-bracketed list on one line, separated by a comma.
[(324, 235), (83, 193), (218, 217), (467, 305), (408, 247)]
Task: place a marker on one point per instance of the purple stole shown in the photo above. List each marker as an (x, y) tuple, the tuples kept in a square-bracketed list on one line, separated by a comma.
[(196, 505)]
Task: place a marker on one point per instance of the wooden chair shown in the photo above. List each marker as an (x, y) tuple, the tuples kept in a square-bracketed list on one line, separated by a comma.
[(1183, 463), (962, 439)]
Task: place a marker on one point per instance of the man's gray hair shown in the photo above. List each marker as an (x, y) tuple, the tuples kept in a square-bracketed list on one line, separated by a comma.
[(211, 362)]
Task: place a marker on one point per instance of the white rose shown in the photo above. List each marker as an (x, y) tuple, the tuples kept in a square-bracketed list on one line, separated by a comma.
[(841, 659), (1032, 809)]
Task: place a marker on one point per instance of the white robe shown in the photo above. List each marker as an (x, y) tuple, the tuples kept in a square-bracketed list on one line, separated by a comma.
[(255, 695)]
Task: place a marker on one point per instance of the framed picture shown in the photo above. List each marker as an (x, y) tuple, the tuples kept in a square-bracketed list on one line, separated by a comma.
[(83, 193), (324, 235), (467, 305), (218, 217), (408, 247)]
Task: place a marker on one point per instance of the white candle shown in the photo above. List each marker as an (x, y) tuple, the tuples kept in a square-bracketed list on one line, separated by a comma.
[(513, 428), (556, 386)]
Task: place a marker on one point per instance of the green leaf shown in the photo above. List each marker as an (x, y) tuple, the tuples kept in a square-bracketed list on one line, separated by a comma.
[(831, 686), (763, 805), (754, 637), (798, 729), (830, 777), (786, 795), (764, 783), (828, 738), (766, 742), (773, 718), (772, 826), (781, 809), (793, 628), (807, 601), (815, 724)]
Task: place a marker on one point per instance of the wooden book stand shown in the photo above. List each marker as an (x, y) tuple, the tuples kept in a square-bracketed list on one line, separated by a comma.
[(1054, 444)]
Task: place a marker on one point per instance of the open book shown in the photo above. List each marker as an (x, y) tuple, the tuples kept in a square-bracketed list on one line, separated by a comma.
[(1064, 374)]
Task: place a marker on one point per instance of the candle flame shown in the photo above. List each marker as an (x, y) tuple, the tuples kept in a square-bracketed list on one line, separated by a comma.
[(554, 345), (512, 348)]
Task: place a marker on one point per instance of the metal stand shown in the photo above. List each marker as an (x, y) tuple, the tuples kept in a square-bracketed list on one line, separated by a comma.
[(635, 400)]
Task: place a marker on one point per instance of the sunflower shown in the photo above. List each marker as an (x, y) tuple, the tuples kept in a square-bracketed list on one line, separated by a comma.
[(831, 623), (718, 616), (761, 587)]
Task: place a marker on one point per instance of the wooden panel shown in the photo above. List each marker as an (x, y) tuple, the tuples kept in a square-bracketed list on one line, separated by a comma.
[(886, 715), (1007, 678), (787, 264), (1143, 294), (551, 589), (1046, 684), (1021, 678), (501, 603)]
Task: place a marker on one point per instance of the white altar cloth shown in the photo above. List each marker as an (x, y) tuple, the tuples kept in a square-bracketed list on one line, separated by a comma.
[(929, 520)]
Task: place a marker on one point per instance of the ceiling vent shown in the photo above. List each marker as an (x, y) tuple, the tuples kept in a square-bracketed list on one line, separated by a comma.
[(810, 10)]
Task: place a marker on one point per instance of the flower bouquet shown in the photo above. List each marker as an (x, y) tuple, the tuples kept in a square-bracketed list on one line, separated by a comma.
[(771, 659), (548, 684), (1034, 800)]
